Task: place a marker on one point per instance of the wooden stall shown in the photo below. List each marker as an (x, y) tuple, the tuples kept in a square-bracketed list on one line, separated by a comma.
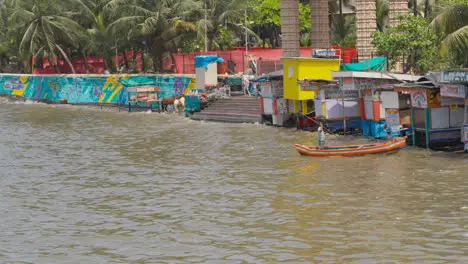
[(373, 101), (436, 121), (276, 110), (454, 93)]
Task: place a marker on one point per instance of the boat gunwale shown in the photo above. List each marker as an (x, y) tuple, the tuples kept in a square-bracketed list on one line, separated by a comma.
[(378, 148)]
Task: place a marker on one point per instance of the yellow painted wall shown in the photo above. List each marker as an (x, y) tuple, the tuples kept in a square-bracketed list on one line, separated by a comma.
[(305, 68)]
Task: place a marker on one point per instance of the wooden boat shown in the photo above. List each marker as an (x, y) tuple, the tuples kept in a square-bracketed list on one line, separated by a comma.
[(351, 150)]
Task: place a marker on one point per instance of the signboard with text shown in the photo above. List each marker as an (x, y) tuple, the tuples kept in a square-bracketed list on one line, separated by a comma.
[(453, 91), (455, 76), (323, 53), (143, 89)]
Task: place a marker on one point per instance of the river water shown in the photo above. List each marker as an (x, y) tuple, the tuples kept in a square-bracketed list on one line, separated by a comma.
[(88, 186)]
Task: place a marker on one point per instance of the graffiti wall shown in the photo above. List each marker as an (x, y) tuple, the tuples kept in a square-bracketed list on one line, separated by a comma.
[(88, 89)]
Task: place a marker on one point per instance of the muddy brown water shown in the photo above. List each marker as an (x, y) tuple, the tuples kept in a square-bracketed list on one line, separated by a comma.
[(88, 186)]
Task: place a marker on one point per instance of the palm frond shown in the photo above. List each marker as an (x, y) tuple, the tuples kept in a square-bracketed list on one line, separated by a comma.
[(457, 40), (451, 18)]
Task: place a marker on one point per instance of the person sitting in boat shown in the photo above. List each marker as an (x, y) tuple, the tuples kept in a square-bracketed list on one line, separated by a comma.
[(321, 136)]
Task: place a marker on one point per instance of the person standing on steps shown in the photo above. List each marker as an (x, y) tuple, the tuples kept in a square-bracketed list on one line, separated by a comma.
[(321, 137)]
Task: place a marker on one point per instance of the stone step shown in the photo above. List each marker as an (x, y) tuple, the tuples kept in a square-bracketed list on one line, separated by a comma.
[(227, 101), (225, 107), (233, 111), (236, 106), (240, 100), (226, 118), (238, 109), (254, 115)]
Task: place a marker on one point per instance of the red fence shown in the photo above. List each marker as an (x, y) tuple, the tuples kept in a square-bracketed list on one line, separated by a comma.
[(235, 61), (268, 60), (95, 64)]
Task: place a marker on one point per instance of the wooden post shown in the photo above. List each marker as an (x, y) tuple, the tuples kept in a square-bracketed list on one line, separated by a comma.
[(427, 114), (343, 102), (304, 107), (413, 131)]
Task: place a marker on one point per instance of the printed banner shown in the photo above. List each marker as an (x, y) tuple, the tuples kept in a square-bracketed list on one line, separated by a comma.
[(453, 91), (419, 99), (433, 99), (392, 117)]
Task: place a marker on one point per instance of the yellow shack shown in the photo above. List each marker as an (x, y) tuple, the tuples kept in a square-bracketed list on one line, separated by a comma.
[(302, 78)]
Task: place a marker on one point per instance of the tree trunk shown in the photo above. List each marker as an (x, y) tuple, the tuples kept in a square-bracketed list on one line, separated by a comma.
[(134, 60), (66, 59), (211, 37), (415, 7), (143, 67), (341, 10), (173, 66), (125, 59), (85, 60), (106, 64), (158, 63), (426, 8), (57, 69)]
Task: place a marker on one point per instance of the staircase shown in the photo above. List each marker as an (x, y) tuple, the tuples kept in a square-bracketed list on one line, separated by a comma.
[(237, 109)]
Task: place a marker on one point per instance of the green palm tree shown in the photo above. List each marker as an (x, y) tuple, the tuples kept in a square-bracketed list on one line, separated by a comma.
[(4, 43), (96, 40), (220, 13), (343, 31), (48, 26), (159, 24), (381, 14), (10, 60), (452, 23)]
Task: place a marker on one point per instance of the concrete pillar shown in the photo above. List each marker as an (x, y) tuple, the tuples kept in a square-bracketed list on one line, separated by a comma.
[(290, 28), (320, 29), (365, 25)]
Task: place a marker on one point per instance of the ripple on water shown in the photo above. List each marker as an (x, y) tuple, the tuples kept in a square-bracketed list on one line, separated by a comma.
[(87, 186)]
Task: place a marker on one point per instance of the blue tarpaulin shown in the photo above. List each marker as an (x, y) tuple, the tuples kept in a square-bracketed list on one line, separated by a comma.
[(374, 64), (203, 61)]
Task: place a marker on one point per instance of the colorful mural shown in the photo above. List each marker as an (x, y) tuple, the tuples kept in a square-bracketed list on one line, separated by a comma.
[(88, 89)]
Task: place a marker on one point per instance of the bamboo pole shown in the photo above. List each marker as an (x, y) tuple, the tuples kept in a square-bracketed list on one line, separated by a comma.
[(343, 102)]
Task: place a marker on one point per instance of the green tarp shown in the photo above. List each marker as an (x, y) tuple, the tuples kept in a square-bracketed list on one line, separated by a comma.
[(374, 64)]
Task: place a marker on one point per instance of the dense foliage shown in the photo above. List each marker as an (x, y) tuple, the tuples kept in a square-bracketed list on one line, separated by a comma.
[(411, 42), (436, 33)]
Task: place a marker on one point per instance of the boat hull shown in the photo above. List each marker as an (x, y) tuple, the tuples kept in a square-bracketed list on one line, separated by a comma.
[(353, 150)]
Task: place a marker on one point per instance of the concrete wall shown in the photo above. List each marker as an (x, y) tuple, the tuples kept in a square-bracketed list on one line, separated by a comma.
[(88, 89)]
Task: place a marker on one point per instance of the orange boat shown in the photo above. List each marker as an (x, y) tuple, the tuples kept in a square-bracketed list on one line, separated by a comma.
[(351, 150)]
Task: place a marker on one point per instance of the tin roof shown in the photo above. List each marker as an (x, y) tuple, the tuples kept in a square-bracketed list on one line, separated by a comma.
[(376, 75), (272, 75)]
